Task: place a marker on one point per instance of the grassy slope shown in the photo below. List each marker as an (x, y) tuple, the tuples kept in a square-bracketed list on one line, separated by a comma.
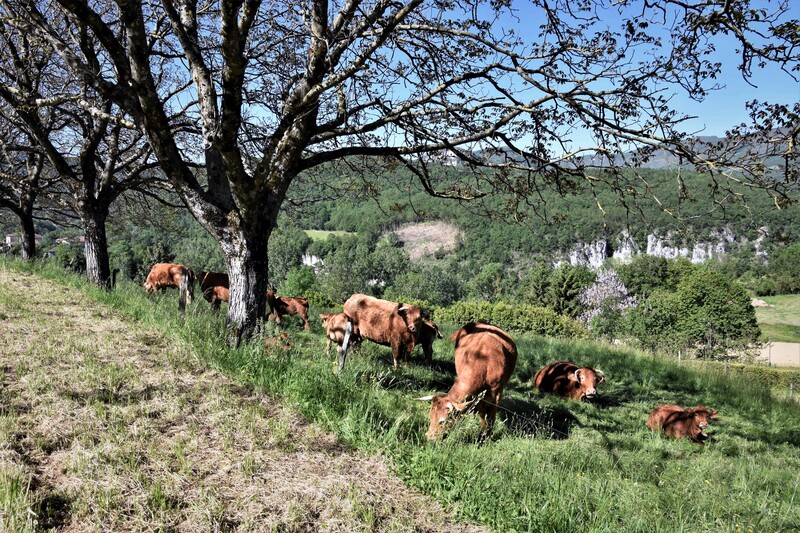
[(554, 465), (321, 235), (781, 322)]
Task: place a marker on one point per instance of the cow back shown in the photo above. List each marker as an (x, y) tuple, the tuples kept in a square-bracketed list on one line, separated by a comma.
[(379, 320), (485, 357)]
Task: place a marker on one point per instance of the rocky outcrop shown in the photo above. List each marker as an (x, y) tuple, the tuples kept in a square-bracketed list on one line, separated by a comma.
[(670, 245)]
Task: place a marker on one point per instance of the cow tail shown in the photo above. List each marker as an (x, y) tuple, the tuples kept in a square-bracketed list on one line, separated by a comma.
[(348, 331), (183, 290), (191, 284)]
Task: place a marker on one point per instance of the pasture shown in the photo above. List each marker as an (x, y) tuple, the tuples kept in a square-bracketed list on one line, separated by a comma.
[(321, 235), (553, 464), (781, 322)]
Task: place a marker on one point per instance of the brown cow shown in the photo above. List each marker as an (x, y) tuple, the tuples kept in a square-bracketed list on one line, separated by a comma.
[(485, 358), (677, 422), (215, 287), (284, 305), (426, 334), (335, 325), (163, 275), (568, 380), (383, 322)]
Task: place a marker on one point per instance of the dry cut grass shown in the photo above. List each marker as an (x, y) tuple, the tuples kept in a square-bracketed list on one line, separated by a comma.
[(105, 427)]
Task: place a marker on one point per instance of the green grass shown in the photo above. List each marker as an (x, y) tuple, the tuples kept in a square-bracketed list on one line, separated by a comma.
[(554, 465), (320, 235), (781, 322)]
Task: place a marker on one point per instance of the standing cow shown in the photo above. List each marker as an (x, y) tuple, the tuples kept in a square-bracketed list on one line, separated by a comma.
[(677, 422), (163, 275), (485, 358), (285, 305), (215, 287), (426, 334), (335, 325), (568, 380), (383, 322)]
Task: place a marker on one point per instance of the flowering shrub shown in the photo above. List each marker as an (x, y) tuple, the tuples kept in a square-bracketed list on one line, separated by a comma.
[(605, 304)]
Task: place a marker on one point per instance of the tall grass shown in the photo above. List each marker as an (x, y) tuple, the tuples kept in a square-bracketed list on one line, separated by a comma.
[(554, 465)]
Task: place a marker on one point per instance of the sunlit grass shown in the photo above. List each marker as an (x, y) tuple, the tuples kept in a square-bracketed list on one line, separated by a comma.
[(554, 465)]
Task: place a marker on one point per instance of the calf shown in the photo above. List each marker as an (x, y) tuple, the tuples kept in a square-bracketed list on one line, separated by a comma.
[(568, 380), (335, 325), (426, 334), (163, 275), (283, 305), (382, 322), (215, 287), (677, 422), (485, 358)]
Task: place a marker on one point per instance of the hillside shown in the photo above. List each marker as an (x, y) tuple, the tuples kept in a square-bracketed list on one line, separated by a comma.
[(110, 426), (553, 465)]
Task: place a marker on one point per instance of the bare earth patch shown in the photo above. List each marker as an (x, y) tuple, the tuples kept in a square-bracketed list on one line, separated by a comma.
[(108, 428), (425, 238)]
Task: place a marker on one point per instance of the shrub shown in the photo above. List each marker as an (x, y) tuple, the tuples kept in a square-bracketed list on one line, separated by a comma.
[(517, 318)]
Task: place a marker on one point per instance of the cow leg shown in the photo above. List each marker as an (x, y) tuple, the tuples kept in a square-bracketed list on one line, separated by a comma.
[(215, 304), (305, 319)]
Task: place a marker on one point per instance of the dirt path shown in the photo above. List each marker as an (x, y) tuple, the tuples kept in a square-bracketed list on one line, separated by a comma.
[(116, 431)]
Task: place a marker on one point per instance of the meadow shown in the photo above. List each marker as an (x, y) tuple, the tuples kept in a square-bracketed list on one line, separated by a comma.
[(781, 321), (553, 464)]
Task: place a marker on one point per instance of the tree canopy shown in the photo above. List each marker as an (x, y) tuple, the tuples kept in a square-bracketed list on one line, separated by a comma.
[(260, 94)]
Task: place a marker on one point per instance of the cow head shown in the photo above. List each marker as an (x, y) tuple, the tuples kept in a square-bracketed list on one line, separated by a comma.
[(586, 380), (443, 413), (325, 317), (701, 417), (412, 315)]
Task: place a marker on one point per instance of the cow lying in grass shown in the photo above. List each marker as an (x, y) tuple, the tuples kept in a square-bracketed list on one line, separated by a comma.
[(568, 380), (485, 358), (677, 422)]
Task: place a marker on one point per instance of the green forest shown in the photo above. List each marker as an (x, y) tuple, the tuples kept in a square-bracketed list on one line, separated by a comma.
[(505, 255)]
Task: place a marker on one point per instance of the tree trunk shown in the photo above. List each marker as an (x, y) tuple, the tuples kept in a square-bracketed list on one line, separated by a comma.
[(28, 237), (246, 259), (98, 268)]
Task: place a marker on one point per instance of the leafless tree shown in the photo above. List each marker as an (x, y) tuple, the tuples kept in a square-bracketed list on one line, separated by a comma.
[(81, 141), (279, 88)]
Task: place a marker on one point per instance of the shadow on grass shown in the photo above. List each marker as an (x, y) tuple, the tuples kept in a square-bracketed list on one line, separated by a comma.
[(525, 418)]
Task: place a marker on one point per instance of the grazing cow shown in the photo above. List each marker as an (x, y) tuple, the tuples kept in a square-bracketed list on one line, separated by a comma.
[(568, 380), (215, 287), (677, 422), (382, 322), (485, 358), (335, 325), (283, 305), (426, 334), (163, 275)]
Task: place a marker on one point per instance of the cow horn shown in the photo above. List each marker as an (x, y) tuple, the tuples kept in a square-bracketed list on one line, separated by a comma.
[(426, 398), (600, 374)]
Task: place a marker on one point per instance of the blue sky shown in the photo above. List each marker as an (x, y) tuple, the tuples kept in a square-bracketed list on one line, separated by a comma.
[(724, 108)]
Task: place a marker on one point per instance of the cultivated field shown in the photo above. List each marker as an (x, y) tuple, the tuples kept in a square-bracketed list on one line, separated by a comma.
[(156, 453)]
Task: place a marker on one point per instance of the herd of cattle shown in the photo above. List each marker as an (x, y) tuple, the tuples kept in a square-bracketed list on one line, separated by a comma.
[(485, 355)]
